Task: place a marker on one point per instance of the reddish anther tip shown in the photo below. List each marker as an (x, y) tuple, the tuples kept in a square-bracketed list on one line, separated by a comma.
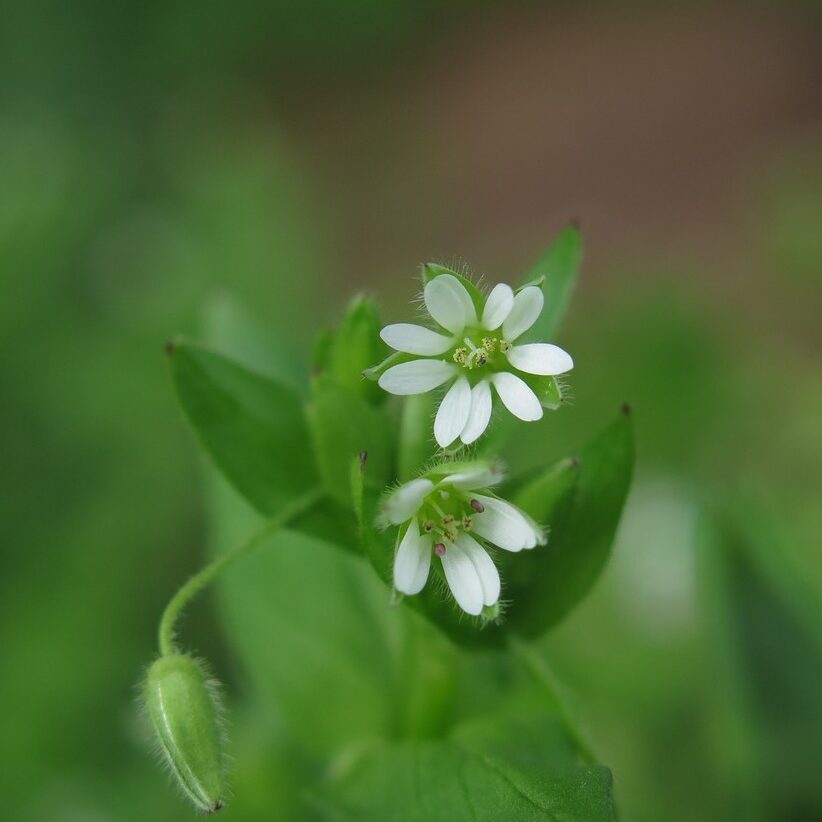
[(439, 549), (477, 506)]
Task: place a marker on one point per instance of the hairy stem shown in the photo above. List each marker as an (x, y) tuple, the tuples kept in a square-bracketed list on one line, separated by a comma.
[(203, 577)]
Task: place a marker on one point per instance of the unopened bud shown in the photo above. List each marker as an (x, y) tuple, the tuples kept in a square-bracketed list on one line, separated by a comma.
[(439, 549), (477, 506), (184, 710)]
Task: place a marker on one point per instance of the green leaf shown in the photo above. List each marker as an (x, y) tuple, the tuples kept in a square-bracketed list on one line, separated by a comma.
[(581, 501), (252, 427), (557, 269), (416, 444), (356, 347), (312, 628), (523, 770), (343, 425), (767, 636)]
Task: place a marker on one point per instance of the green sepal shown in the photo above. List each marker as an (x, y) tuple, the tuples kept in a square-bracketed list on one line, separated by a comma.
[(432, 270)]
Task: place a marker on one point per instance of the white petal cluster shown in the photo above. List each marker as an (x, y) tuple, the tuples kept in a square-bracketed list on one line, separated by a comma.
[(445, 519), (476, 352)]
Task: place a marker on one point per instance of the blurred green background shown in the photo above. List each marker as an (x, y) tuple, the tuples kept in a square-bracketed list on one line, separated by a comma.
[(162, 160)]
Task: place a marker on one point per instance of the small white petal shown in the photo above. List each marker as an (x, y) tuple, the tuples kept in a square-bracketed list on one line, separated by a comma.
[(480, 414), (413, 561), (540, 358), (483, 476), (463, 579), (403, 503), (484, 566), (415, 339), (527, 307), (517, 396), (416, 377), (505, 525), (449, 303), (453, 413), (497, 307)]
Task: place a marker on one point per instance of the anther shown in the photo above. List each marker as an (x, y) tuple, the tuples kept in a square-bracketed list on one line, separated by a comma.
[(504, 346), (477, 506), (467, 523), (481, 359), (439, 549), (447, 519), (428, 526)]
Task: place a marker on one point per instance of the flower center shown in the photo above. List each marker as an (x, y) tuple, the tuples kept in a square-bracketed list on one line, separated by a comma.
[(445, 513), (477, 351)]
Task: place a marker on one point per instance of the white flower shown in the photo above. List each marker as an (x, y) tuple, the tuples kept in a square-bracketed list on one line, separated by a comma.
[(443, 519), (476, 352)]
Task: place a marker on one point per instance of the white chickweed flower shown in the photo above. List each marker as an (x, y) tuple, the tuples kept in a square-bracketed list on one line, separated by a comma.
[(476, 351), (443, 515)]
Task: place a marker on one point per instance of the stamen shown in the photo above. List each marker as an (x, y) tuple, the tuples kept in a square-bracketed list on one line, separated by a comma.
[(504, 346), (477, 506), (467, 523), (439, 549), (428, 526)]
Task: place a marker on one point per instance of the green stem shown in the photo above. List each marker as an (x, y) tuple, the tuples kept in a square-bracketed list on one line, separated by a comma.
[(542, 673), (204, 576)]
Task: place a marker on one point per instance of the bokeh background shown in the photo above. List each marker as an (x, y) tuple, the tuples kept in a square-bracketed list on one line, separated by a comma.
[(159, 160)]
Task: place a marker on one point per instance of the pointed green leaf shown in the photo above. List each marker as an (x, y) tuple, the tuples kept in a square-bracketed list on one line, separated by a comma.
[(343, 425), (356, 347), (581, 502), (521, 771), (558, 269), (251, 426)]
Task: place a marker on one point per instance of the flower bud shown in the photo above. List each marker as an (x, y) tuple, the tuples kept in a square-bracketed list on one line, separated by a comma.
[(184, 709)]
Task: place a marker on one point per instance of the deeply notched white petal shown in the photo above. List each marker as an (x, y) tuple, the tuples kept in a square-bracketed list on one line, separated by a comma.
[(452, 413), (415, 339), (480, 414), (517, 396), (540, 358), (463, 579), (527, 307), (483, 476), (483, 566), (416, 377), (506, 526), (449, 303), (497, 307), (413, 561), (403, 503)]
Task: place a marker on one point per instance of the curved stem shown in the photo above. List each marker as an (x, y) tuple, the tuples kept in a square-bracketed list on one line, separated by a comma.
[(204, 576), (541, 672)]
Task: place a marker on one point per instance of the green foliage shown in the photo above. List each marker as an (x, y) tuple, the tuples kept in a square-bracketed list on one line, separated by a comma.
[(557, 271), (251, 426), (581, 500), (768, 645), (517, 769)]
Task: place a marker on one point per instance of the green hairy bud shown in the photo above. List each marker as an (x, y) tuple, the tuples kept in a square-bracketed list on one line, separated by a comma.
[(182, 703)]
